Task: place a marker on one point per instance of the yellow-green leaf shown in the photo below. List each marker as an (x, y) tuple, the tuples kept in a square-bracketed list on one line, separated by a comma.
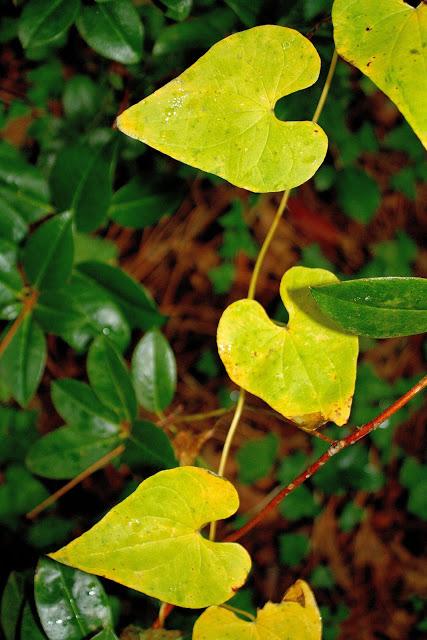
[(151, 541), (306, 370), (219, 114), (295, 618), (387, 40)]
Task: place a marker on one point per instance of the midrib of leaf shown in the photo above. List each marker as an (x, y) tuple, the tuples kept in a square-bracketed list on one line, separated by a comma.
[(118, 388), (89, 445), (84, 178), (373, 306), (305, 368), (87, 409), (70, 599), (115, 27), (53, 6), (143, 447), (51, 252)]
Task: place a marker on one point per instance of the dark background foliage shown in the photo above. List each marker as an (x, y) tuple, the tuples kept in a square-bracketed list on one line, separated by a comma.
[(357, 531)]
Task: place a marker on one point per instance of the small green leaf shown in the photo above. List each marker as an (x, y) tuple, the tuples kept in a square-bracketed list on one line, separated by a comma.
[(57, 313), (154, 372), (178, 9), (134, 301), (295, 618), (376, 307), (113, 29), (77, 404), (247, 10), (80, 99), (160, 551), (12, 601), (256, 458), (293, 548), (110, 379), (387, 41), (300, 503), (19, 493), (81, 182), (48, 255), (24, 193), (30, 630), (149, 446), (218, 115), (17, 433), (139, 205), (28, 348), (71, 604), (67, 451), (49, 531), (42, 21), (417, 502), (86, 246), (100, 315), (351, 516), (11, 284), (358, 194), (306, 370)]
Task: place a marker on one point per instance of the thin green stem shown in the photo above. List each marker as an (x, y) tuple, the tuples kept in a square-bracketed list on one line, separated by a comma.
[(326, 87), (240, 612), (227, 445), (255, 276)]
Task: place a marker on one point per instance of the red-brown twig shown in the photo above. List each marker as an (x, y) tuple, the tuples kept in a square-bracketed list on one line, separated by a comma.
[(335, 448)]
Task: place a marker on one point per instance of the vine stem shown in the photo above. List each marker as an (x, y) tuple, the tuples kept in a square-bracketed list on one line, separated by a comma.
[(99, 464), (335, 447), (255, 276), (27, 306), (227, 445)]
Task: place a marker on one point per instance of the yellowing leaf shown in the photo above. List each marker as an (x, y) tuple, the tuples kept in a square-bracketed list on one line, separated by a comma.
[(151, 541), (295, 618), (219, 114), (307, 370), (387, 40)]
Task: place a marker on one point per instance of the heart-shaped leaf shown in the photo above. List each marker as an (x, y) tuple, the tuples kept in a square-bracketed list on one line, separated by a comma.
[(71, 604), (387, 40), (151, 541), (306, 370), (376, 307), (219, 114), (296, 617)]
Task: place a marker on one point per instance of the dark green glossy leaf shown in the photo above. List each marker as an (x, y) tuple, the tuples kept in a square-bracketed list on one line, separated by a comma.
[(78, 405), (30, 629), (28, 347), (376, 307), (71, 604), (42, 21), (110, 379), (19, 493), (134, 301), (48, 255), (80, 99), (101, 315), (247, 10), (24, 194), (177, 9), (139, 205), (113, 29), (358, 194), (12, 601), (11, 283), (149, 446), (17, 433), (81, 182), (49, 531), (57, 313), (154, 372), (86, 246), (67, 451)]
